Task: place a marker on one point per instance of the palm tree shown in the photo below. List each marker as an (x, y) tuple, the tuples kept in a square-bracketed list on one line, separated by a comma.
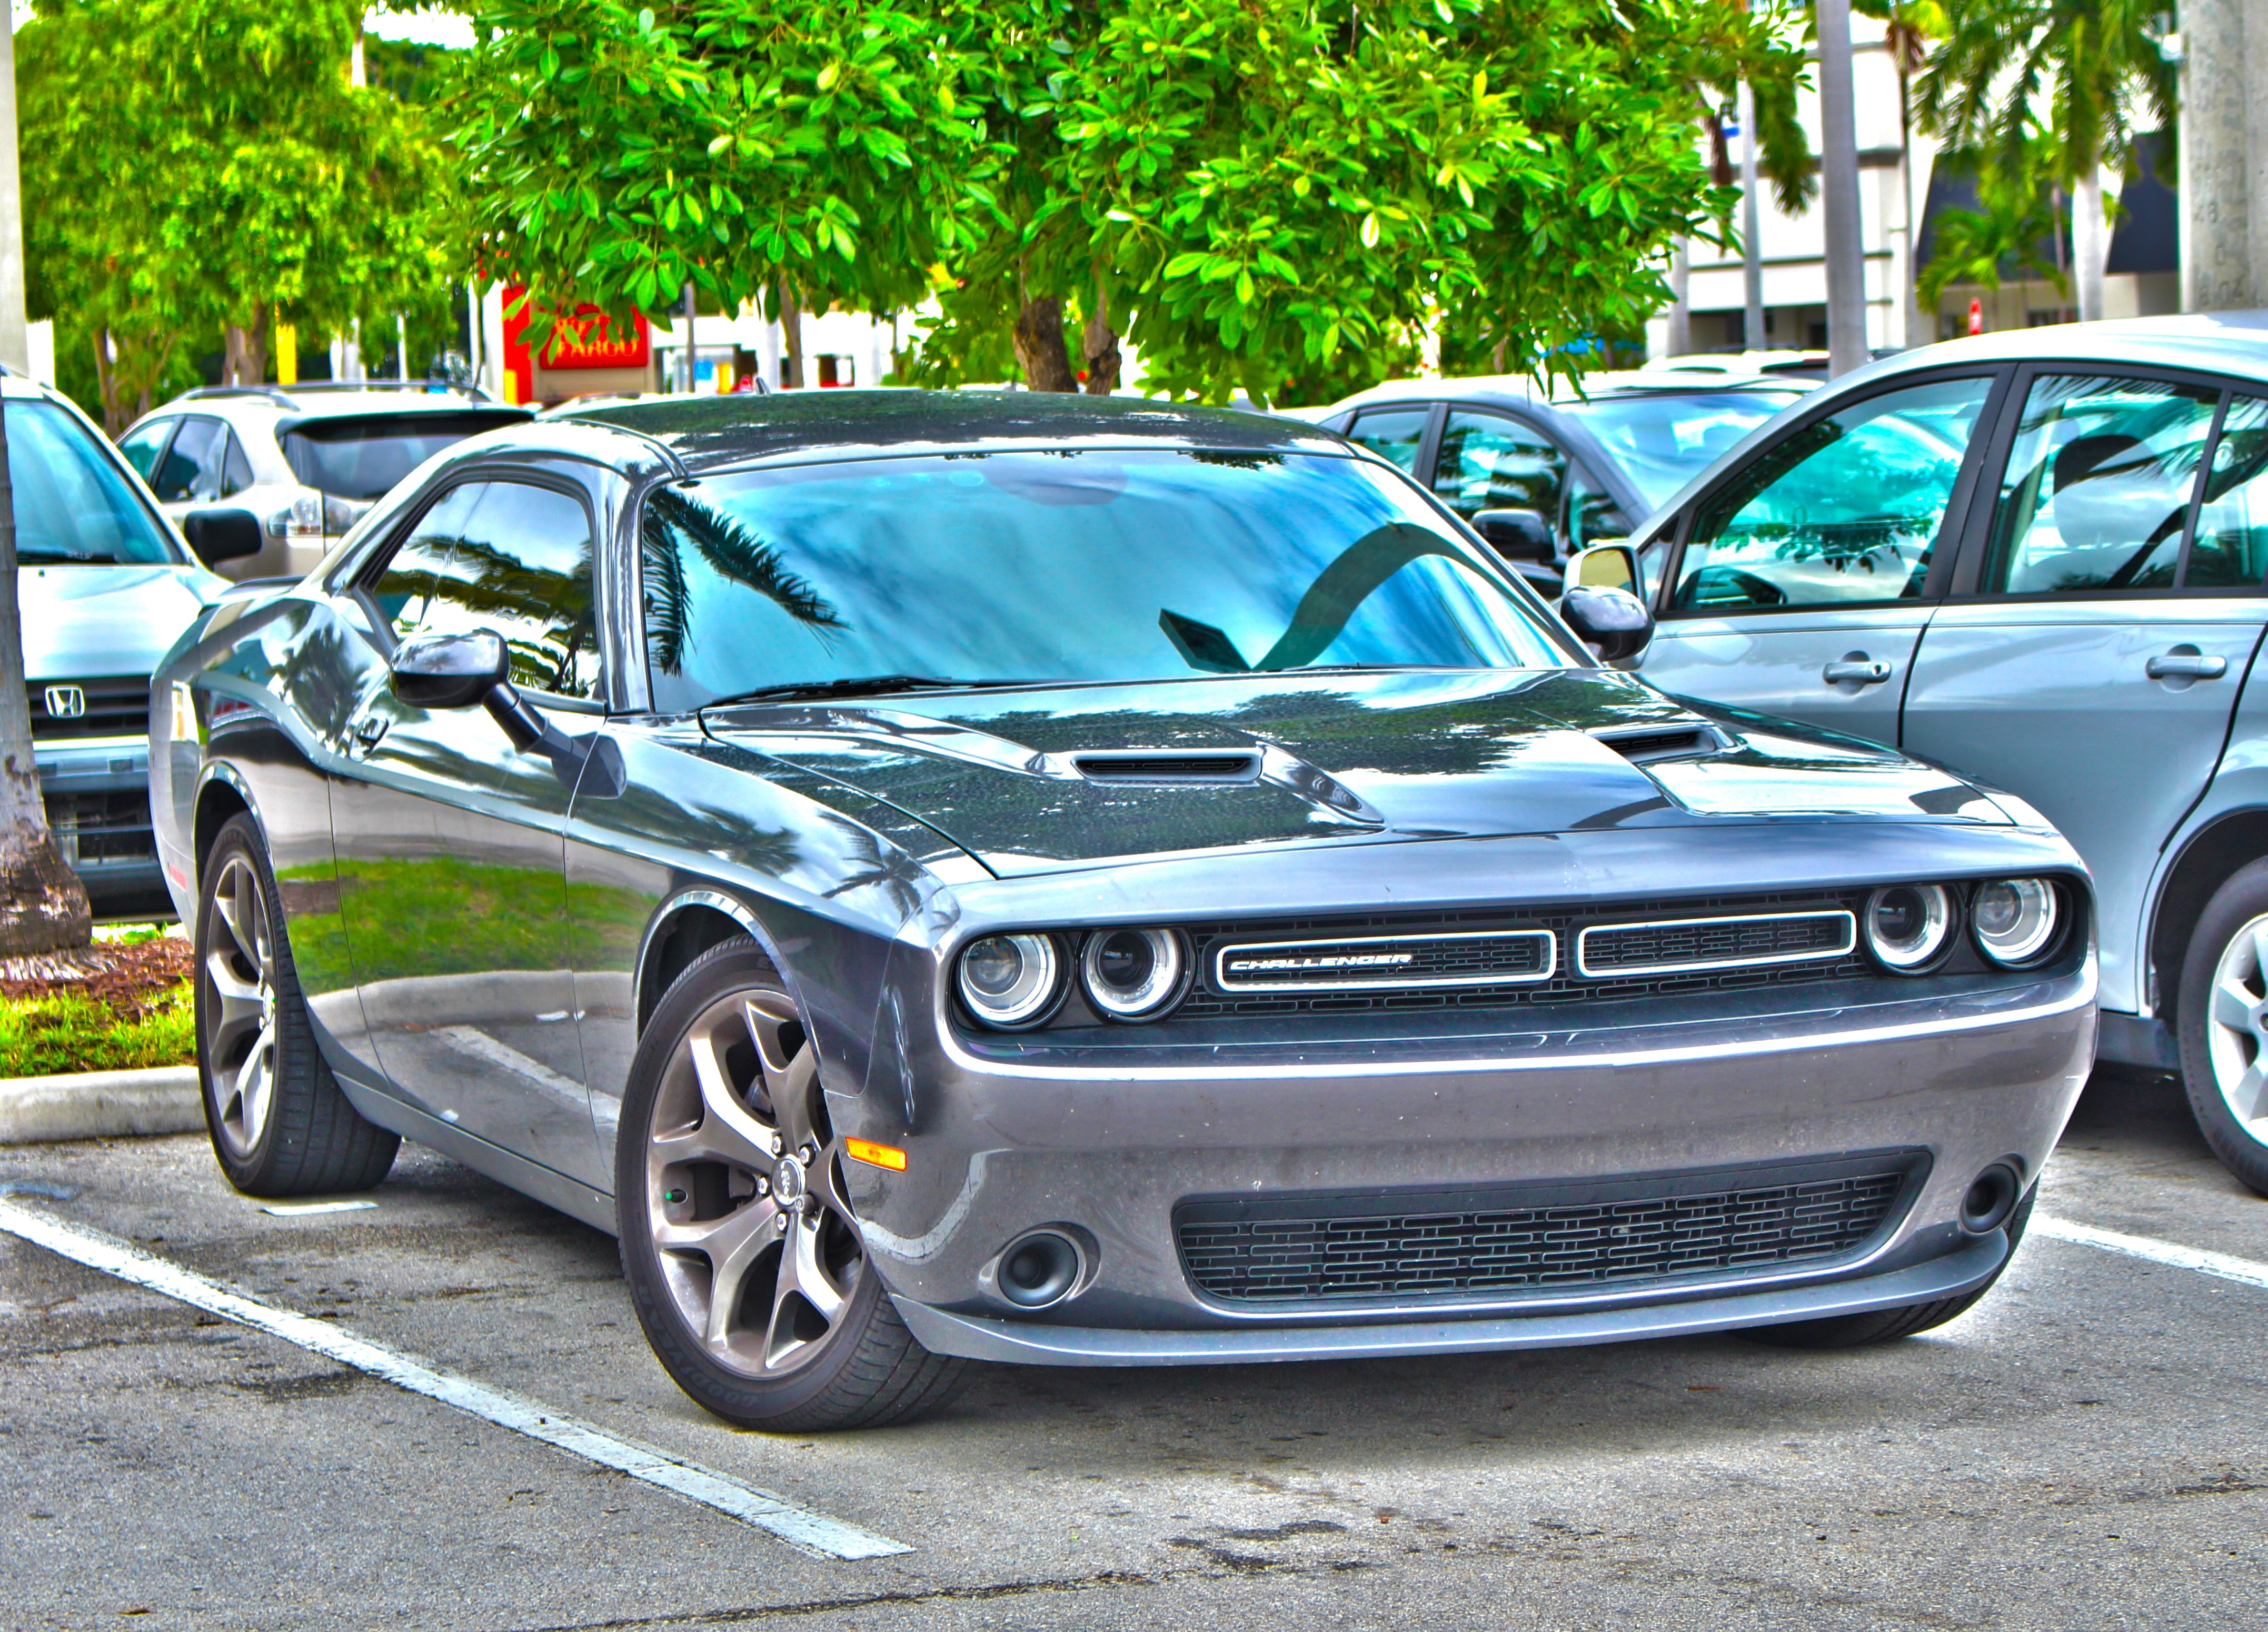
[(2014, 221), (2076, 67)]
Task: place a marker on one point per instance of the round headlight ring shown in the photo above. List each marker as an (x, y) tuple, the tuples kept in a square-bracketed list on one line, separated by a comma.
[(1010, 982), (1909, 926), (1133, 974), (2016, 921)]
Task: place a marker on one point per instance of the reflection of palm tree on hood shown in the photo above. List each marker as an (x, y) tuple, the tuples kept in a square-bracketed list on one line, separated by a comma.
[(672, 520)]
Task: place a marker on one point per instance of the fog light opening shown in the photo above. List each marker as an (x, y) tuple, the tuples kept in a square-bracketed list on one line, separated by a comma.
[(1039, 1270), (1991, 1199)]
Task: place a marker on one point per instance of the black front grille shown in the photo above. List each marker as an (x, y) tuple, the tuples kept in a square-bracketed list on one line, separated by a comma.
[(1540, 1239), (1418, 960), (92, 828), (1207, 1001), (114, 706), (1676, 945)]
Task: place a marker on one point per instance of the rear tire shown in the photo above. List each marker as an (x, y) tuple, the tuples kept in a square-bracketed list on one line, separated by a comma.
[(2222, 1021), (1886, 1326), (745, 1265), (278, 1122)]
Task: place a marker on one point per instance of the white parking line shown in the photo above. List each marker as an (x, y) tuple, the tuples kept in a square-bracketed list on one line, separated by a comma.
[(806, 1531), (2245, 1271)]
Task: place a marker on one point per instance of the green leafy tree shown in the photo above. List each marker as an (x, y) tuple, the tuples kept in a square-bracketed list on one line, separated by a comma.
[(2013, 223)]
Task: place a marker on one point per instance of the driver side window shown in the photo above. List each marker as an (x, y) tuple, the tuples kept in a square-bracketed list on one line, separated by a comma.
[(1847, 510)]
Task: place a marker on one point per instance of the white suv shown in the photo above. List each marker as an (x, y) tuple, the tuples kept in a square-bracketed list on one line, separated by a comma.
[(306, 460)]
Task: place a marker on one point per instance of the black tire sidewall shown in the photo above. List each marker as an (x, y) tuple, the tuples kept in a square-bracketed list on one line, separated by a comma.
[(2235, 903), (750, 1403), (253, 1171)]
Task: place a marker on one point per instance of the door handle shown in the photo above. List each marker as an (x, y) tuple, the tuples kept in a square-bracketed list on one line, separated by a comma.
[(1856, 672), (2185, 665)]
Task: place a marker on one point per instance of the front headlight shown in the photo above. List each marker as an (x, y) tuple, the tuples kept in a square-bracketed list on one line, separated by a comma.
[(1132, 975), (2015, 919), (1011, 982), (1908, 925)]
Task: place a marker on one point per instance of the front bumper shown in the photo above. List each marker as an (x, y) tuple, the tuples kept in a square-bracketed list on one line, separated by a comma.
[(97, 792), (1109, 1142)]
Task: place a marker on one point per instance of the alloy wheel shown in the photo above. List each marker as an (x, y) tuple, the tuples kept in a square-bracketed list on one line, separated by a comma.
[(2236, 1027), (239, 969), (757, 1246)]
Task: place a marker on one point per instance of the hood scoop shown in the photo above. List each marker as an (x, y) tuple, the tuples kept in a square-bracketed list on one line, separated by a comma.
[(1168, 765), (1664, 742)]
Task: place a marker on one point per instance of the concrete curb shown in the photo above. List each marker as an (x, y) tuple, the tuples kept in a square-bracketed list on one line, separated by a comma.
[(100, 1105)]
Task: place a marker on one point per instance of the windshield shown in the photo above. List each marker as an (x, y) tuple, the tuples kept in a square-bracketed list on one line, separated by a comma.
[(1099, 565), (363, 459), (73, 503), (1664, 438)]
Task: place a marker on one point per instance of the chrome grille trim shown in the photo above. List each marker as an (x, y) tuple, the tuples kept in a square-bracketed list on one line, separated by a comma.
[(1846, 943), (1344, 947)]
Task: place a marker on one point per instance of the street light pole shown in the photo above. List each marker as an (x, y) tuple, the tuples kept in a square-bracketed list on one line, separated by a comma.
[(15, 343), (1838, 176), (1752, 255)]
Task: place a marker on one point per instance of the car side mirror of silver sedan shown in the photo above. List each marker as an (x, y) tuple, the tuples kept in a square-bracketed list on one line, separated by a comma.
[(450, 671)]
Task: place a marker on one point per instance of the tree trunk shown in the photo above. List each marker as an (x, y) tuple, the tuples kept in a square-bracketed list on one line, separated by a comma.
[(1680, 342), (2090, 243), (112, 420), (790, 317), (1098, 342), (232, 355), (42, 904), (1040, 347), (255, 345), (1838, 192)]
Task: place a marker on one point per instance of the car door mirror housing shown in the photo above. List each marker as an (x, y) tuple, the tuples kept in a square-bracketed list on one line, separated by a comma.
[(1614, 622), (1516, 534), (222, 534), (1611, 565), (450, 671)]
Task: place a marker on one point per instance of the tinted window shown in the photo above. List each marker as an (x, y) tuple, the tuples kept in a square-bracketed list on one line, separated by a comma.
[(191, 467), (1845, 510), (520, 564), (2232, 531), (71, 502), (363, 459), (1592, 514), (403, 590), (1088, 566), (1662, 439), (2097, 489), (236, 470), (1489, 462), (1392, 433), (143, 444)]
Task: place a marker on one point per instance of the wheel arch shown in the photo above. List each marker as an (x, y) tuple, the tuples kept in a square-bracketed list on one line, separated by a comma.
[(2210, 858), (687, 925), (221, 796)]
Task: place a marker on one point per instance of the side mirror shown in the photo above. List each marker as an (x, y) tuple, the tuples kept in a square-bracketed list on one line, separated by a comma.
[(219, 535), (1613, 622), (1516, 534), (450, 671), (1612, 565)]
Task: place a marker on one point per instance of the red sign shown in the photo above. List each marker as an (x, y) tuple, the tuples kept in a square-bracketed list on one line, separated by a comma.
[(590, 342)]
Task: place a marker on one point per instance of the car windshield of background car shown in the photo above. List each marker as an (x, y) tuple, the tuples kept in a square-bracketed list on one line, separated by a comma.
[(1101, 565), (72, 504), (1663, 439), (363, 459)]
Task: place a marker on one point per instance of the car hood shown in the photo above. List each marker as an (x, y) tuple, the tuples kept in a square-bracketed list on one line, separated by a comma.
[(94, 620), (1025, 780)]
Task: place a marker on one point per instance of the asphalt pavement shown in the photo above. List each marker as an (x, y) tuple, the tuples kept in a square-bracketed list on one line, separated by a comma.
[(2087, 1449)]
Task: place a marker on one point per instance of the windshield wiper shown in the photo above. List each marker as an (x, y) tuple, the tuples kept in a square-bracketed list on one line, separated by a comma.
[(857, 685)]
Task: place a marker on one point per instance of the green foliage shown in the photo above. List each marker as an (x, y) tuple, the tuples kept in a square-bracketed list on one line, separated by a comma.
[(2015, 216), (72, 1032)]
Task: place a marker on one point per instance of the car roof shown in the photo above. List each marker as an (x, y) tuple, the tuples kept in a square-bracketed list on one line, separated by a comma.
[(2224, 343), (323, 400), (1523, 390), (715, 432)]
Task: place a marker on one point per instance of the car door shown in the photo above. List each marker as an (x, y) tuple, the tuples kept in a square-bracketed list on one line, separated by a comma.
[(1805, 579), (450, 843), (2101, 628)]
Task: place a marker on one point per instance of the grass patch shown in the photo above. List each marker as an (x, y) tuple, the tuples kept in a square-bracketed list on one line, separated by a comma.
[(69, 1030)]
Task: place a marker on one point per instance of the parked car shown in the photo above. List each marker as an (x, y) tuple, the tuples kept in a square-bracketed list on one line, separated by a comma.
[(103, 587), (306, 460), (1087, 881), (2040, 558), (1542, 475)]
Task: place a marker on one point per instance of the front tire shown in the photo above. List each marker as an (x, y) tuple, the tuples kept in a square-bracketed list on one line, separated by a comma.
[(745, 1264), (278, 1122), (2221, 1020)]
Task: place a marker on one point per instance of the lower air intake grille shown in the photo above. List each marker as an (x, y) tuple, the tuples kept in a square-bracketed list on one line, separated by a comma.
[(1540, 1239), (1676, 945)]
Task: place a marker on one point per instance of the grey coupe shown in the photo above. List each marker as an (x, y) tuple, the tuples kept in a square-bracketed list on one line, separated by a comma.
[(1088, 882)]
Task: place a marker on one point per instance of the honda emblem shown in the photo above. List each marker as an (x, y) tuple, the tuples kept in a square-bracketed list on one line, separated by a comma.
[(65, 702)]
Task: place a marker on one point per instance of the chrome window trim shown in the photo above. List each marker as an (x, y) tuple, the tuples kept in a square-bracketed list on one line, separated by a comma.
[(1583, 942), (1550, 962)]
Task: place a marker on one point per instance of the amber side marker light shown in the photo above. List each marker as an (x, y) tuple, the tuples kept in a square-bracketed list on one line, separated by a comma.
[(875, 1155)]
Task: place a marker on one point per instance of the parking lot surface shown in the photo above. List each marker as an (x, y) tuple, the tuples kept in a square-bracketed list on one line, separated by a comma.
[(2087, 1449)]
